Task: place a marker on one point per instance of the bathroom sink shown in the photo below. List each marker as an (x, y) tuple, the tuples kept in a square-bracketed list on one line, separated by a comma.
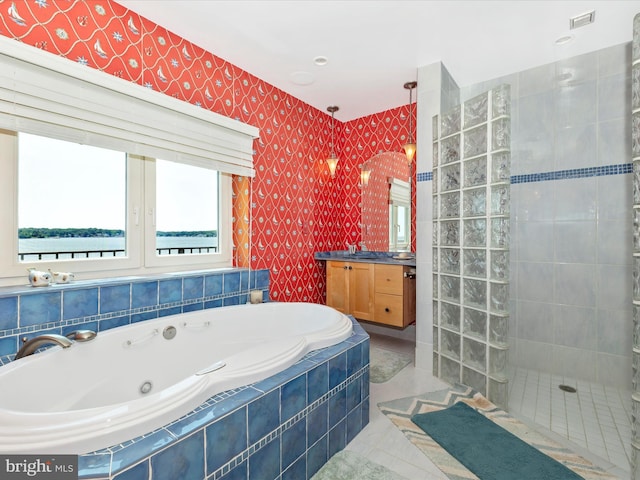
[(361, 256)]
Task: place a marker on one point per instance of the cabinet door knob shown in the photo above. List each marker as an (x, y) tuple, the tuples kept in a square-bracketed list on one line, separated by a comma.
[(345, 267), (386, 309), (350, 267)]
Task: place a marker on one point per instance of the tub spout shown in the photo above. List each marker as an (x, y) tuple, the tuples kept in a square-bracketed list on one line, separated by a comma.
[(32, 345)]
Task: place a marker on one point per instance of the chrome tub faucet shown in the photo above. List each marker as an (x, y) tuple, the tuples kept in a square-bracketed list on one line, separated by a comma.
[(30, 346)]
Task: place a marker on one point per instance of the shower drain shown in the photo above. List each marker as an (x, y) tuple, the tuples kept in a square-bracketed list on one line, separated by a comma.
[(567, 388)]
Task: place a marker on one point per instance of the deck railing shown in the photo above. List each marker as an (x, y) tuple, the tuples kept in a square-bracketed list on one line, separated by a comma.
[(108, 253)]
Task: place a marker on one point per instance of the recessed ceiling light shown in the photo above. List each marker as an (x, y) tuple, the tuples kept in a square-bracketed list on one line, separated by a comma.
[(321, 60), (302, 78), (564, 40)]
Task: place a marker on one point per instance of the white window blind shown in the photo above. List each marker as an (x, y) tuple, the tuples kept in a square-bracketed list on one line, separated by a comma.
[(47, 95), (399, 192)]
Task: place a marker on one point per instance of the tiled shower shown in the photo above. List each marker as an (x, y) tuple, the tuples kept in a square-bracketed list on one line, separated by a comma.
[(570, 315)]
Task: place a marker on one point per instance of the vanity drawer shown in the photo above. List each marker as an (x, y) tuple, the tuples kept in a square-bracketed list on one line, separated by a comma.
[(388, 309), (388, 279)]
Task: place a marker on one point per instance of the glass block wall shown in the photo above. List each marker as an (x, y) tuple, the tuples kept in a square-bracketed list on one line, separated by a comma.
[(471, 173), (635, 152)]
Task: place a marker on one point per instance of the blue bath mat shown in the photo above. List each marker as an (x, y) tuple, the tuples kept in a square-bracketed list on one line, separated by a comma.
[(486, 449)]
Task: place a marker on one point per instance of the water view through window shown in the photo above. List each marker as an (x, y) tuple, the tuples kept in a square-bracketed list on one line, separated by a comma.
[(72, 203), (187, 209)]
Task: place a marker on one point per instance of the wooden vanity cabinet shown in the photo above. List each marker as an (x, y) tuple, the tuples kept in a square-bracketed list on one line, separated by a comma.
[(395, 295), (350, 288), (376, 292)]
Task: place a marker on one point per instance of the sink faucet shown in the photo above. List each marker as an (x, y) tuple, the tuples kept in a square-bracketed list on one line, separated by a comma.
[(30, 346)]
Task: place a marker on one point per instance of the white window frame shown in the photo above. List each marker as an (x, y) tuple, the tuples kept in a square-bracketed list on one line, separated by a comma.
[(48, 95), (140, 247), (221, 258), (399, 195)]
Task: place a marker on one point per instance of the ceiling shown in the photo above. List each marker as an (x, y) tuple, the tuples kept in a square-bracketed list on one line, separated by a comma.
[(373, 47)]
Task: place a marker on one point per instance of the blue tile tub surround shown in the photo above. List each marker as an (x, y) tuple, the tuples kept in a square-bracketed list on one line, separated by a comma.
[(26, 311), (284, 427)]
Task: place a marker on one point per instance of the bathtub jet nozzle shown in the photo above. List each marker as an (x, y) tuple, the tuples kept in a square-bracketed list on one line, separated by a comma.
[(169, 332)]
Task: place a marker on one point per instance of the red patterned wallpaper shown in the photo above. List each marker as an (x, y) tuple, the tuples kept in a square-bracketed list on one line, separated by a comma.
[(292, 207)]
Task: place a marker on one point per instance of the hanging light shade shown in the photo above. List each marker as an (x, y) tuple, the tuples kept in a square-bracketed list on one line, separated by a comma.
[(410, 146), (332, 161), (365, 173)]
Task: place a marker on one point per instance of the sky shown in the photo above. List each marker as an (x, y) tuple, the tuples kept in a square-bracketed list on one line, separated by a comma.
[(67, 185)]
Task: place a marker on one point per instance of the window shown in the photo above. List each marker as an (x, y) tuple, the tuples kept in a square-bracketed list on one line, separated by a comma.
[(399, 215), (71, 200), (187, 209), (86, 209), (183, 210), (48, 95)]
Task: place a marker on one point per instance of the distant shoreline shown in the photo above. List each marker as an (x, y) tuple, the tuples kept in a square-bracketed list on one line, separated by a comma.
[(92, 232)]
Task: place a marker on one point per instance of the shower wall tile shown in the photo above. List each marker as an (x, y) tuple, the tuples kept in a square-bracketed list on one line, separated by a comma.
[(610, 251), (575, 327), (614, 60), (613, 144), (535, 281), (535, 355), (613, 281), (576, 147), (574, 104), (615, 328), (535, 241), (534, 201), (579, 202), (575, 284), (614, 93), (613, 370), (535, 128), (614, 201), (575, 241), (574, 362), (583, 68), (536, 80), (535, 321)]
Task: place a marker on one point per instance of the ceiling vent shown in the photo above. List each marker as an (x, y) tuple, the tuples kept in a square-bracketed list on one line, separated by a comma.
[(582, 20)]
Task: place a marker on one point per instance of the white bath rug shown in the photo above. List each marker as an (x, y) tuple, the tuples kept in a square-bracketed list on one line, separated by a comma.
[(385, 364), (348, 465)]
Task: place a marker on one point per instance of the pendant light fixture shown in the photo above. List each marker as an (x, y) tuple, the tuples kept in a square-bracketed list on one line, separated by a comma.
[(410, 147), (365, 173), (332, 161)]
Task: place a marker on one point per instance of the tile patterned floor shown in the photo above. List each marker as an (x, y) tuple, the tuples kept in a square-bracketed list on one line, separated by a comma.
[(381, 441), (576, 417), (596, 418)]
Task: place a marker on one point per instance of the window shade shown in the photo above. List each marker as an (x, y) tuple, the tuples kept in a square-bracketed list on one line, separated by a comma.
[(399, 191), (47, 95)]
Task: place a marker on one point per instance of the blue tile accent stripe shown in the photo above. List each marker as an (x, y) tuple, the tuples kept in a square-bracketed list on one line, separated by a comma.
[(574, 173), (424, 176), (618, 169)]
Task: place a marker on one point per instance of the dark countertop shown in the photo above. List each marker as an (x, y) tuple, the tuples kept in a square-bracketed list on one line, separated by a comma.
[(366, 257)]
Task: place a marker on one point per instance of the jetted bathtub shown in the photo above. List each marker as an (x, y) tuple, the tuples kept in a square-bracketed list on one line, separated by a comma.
[(133, 379)]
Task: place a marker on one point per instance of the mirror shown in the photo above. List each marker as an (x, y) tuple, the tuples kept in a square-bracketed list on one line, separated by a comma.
[(386, 203)]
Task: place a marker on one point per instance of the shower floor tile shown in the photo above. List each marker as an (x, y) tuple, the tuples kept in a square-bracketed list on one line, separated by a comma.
[(596, 418)]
